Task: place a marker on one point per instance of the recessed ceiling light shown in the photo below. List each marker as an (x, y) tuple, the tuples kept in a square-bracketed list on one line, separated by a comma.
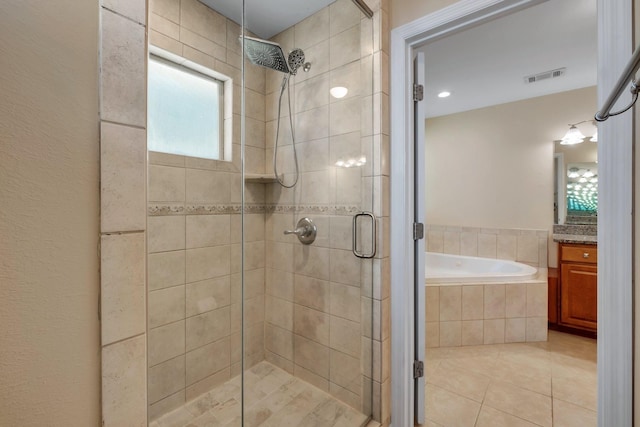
[(444, 94)]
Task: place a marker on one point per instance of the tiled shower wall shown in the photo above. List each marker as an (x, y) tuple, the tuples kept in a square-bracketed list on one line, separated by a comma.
[(319, 298), (521, 245), (194, 247)]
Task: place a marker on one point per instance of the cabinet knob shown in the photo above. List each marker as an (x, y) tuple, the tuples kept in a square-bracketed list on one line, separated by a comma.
[(585, 255)]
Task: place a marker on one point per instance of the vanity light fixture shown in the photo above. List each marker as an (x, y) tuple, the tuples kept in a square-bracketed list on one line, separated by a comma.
[(574, 136)]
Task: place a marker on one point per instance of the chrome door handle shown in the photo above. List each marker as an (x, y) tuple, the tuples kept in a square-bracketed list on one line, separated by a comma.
[(373, 235)]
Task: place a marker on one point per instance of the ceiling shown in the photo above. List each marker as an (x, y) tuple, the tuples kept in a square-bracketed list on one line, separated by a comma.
[(266, 18), (486, 65)]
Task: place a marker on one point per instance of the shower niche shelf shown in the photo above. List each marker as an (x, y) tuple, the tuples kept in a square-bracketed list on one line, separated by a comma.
[(260, 178)]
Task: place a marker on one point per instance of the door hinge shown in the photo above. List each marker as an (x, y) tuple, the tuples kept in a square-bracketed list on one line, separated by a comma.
[(418, 231), (418, 369), (418, 92)]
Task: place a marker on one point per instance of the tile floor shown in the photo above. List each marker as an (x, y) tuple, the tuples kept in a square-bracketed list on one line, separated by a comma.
[(273, 398), (549, 384)]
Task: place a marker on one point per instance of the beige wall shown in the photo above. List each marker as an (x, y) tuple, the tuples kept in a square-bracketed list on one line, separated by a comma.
[(493, 167), (49, 191), (405, 11)]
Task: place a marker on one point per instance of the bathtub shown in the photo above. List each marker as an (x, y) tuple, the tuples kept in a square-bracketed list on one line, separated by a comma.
[(444, 268), (476, 301)]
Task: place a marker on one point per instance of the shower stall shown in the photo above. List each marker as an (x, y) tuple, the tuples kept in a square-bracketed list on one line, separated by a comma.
[(264, 261)]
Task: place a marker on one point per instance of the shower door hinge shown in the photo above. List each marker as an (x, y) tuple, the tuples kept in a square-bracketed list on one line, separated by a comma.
[(418, 231), (418, 369), (418, 92)]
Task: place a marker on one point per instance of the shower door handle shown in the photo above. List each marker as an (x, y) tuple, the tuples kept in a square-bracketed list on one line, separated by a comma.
[(373, 235)]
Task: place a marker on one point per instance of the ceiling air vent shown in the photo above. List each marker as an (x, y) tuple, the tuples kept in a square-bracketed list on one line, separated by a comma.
[(559, 72)]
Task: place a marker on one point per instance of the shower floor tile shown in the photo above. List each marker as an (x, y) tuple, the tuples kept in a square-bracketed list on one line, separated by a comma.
[(273, 398), (550, 384)]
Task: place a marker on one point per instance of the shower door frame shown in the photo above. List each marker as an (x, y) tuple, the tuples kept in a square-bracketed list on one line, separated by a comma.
[(615, 225)]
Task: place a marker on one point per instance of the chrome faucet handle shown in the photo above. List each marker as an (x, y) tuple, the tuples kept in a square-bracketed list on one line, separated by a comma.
[(298, 231), (305, 230)]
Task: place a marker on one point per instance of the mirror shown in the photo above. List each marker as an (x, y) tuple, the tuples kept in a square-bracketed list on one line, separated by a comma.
[(576, 183)]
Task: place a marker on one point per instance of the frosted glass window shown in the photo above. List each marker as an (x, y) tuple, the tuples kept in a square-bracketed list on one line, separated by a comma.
[(184, 111)]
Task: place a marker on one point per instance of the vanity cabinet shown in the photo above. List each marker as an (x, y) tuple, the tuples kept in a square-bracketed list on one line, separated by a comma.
[(578, 287)]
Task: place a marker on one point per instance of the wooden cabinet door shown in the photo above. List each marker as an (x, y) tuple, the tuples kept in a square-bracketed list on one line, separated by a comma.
[(579, 293)]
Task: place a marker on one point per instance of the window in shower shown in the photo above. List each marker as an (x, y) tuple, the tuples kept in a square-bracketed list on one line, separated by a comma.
[(185, 111)]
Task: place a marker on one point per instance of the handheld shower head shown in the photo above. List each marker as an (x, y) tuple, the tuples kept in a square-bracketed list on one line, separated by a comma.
[(295, 60)]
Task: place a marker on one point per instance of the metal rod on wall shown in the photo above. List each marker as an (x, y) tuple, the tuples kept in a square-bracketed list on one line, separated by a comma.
[(364, 8), (626, 76)]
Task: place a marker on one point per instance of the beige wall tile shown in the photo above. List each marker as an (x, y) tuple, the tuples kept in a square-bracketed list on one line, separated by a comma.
[(345, 301), (472, 302), (169, 9), (203, 44), (435, 241), (254, 310), (122, 178), (207, 295), (344, 47), (343, 15), (206, 384), (344, 395), (165, 269), (516, 300), (450, 303), (166, 405), (164, 26), (312, 261), (122, 70), (345, 267), (469, 243), (527, 248), (166, 184), (206, 263), (311, 378), (207, 327), (487, 245), (536, 329), (472, 332), (166, 342), (279, 341), (207, 230), (166, 379), (313, 29), (312, 293), (165, 233), (432, 303), (312, 93), (279, 312), (494, 301), (451, 333), (280, 256), (280, 284), (537, 294), (207, 360), (344, 116), (312, 124), (452, 242), (124, 383), (345, 336), (311, 324), (205, 186), (166, 306), (311, 356), (164, 42), (130, 9), (122, 284), (515, 330), (507, 247), (543, 252), (204, 21), (494, 331)]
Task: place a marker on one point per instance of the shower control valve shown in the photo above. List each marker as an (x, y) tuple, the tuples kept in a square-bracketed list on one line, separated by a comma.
[(305, 230)]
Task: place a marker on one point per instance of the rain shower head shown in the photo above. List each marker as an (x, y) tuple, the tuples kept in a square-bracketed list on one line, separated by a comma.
[(295, 60), (269, 54), (265, 53)]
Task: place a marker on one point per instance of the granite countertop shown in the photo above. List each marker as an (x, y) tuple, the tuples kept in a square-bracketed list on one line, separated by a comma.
[(575, 238), (576, 233)]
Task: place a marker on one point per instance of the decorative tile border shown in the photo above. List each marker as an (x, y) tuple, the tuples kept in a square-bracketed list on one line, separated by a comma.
[(180, 209)]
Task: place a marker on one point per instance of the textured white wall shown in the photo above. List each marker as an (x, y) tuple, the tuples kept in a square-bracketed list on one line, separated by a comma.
[(49, 210)]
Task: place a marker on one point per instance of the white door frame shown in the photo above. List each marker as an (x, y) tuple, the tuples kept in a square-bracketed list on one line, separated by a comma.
[(615, 274)]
